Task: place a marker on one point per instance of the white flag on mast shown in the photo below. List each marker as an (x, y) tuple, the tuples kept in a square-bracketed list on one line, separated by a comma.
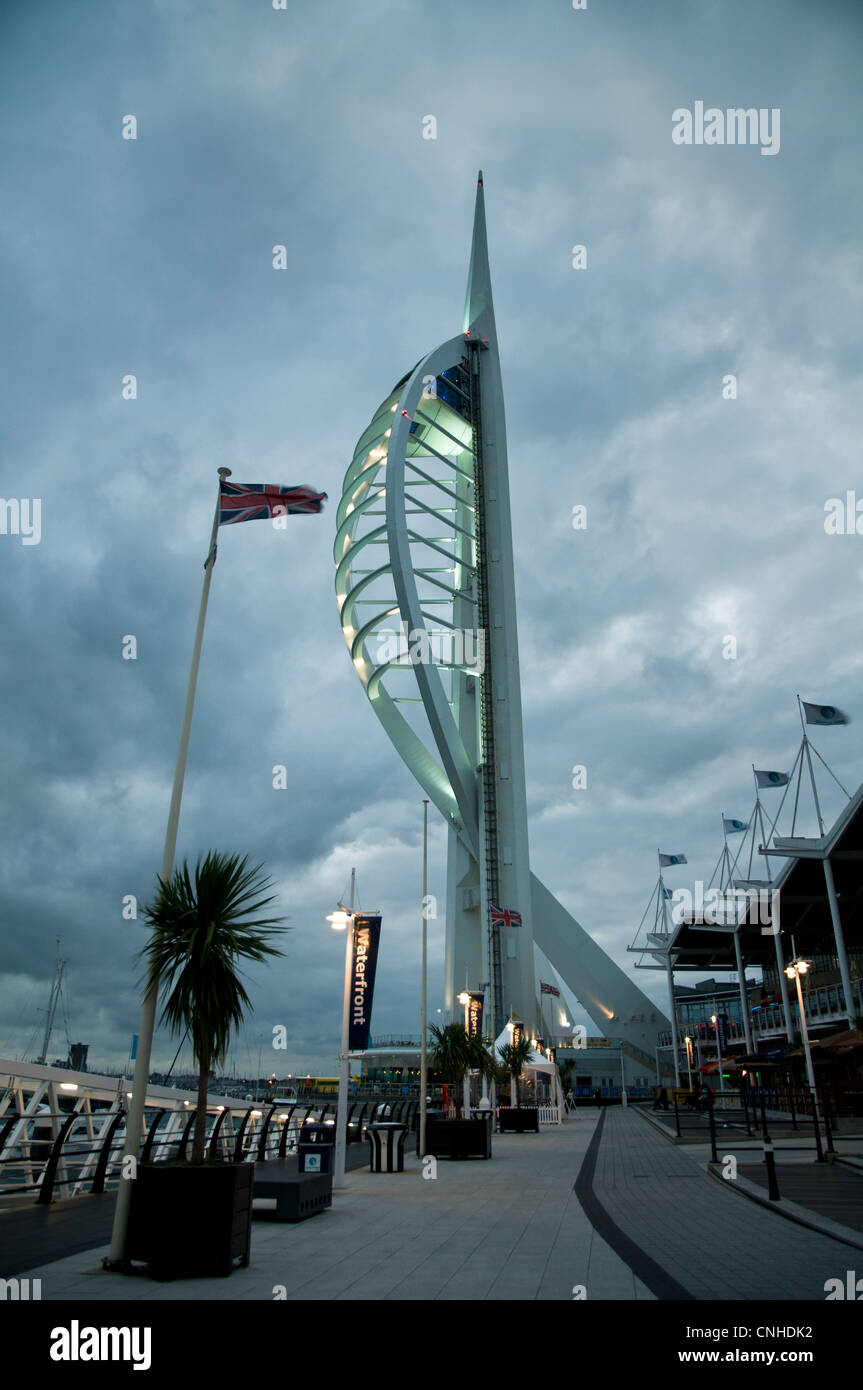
[(771, 779), (823, 714)]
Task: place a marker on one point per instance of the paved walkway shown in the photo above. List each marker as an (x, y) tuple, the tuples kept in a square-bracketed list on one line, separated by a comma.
[(714, 1242), (511, 1228), (604, 1208)]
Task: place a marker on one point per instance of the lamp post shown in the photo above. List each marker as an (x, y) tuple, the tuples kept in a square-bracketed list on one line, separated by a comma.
[(794, 971), (715, 1021), (424, 1059), (464, 1000), (339, 922)]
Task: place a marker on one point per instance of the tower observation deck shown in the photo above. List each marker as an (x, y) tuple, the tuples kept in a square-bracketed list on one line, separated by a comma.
[(426, 593)]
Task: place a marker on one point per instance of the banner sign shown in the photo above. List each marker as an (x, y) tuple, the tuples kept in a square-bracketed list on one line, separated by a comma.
[(474, 1013), (722, 1033), (364, 961)]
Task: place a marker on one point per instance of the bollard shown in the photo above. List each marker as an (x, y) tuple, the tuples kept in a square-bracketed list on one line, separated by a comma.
[(769, 1159), (818, 1149), (828, 1128), (712, 1122)]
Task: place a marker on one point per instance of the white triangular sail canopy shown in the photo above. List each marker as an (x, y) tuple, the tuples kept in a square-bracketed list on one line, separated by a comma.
[(536, 1061)]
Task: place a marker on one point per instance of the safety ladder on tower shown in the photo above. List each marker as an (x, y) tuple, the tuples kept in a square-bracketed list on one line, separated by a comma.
[(486, 685)]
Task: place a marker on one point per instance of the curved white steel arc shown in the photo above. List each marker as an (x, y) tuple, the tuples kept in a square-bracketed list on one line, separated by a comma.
[(448, 741), (367, 480)]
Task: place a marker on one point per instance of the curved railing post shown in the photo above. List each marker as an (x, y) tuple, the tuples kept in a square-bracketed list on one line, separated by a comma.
[(151, 1136), (262, 1142), (105, 1153), (238, 1147), (187, 1129), (217, 1127), (46, 1189)]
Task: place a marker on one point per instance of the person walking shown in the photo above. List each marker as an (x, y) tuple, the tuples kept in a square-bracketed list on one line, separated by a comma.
[(597, 1097)]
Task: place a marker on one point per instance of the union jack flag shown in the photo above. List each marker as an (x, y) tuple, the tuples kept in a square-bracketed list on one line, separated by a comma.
[(548, 989), (504, 917), (257, 501)]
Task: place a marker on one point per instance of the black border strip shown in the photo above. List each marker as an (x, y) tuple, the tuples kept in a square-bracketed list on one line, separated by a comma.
[(660, 1283)]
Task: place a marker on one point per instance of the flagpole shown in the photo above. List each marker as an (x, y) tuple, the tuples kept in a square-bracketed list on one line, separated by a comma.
[(669, 973), (811, 773), (135, 1114), (424, 1063), (835, 916)]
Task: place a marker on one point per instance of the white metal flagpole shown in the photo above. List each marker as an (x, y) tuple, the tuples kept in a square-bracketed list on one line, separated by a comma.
[(341, 1146), (424, 1063), (135, 1115)]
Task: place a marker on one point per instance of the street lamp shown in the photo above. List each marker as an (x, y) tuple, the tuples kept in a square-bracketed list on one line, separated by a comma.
[(688, 1042), (715, 1021), (464, 1000), (794, 971), (424, 1062), (339, 922)]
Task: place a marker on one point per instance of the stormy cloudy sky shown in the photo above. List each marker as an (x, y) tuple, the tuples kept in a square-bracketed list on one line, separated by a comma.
[(153, 257)]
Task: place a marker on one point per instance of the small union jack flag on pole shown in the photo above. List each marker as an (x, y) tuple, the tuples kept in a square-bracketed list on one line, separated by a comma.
[(504, 917), (548, 989), (257, 501)]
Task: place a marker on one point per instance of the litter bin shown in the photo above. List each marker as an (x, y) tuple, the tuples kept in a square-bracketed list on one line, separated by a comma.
[(315, 1148), (387, 1143)]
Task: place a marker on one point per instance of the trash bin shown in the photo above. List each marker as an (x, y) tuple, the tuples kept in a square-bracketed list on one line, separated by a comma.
[(387, 1144), (316, 1148)]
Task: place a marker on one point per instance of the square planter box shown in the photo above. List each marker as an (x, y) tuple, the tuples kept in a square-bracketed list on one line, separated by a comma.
[(459, 1138), (190, 1219), (518, 1119)]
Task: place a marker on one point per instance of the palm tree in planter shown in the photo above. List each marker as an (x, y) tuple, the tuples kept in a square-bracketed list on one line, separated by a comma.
[(451, 1054), (202, 925), (514, 1055)]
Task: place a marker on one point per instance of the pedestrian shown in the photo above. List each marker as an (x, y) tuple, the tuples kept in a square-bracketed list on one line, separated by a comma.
[(597, 1097), (570, 1099), (706, 1097), (661, 1102)]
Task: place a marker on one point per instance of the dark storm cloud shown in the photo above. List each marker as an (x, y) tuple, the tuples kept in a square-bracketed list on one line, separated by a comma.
[(705, 517)]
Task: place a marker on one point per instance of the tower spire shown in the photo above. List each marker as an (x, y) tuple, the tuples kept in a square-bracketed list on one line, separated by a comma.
[(478, 306)]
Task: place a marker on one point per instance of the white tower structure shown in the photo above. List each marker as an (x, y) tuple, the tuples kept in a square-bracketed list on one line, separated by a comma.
[(431, 628)]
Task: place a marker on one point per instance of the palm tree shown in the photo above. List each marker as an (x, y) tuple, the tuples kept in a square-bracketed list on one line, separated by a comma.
[(480, 1057), (451, 1053), (514, 1055), (200, 928)]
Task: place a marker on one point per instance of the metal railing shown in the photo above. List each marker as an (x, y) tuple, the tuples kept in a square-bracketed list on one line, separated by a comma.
[(48, 1149), (767, 1112), (823, 1004)]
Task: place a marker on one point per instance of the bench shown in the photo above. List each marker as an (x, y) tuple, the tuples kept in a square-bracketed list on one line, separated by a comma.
[(298, 1195)]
